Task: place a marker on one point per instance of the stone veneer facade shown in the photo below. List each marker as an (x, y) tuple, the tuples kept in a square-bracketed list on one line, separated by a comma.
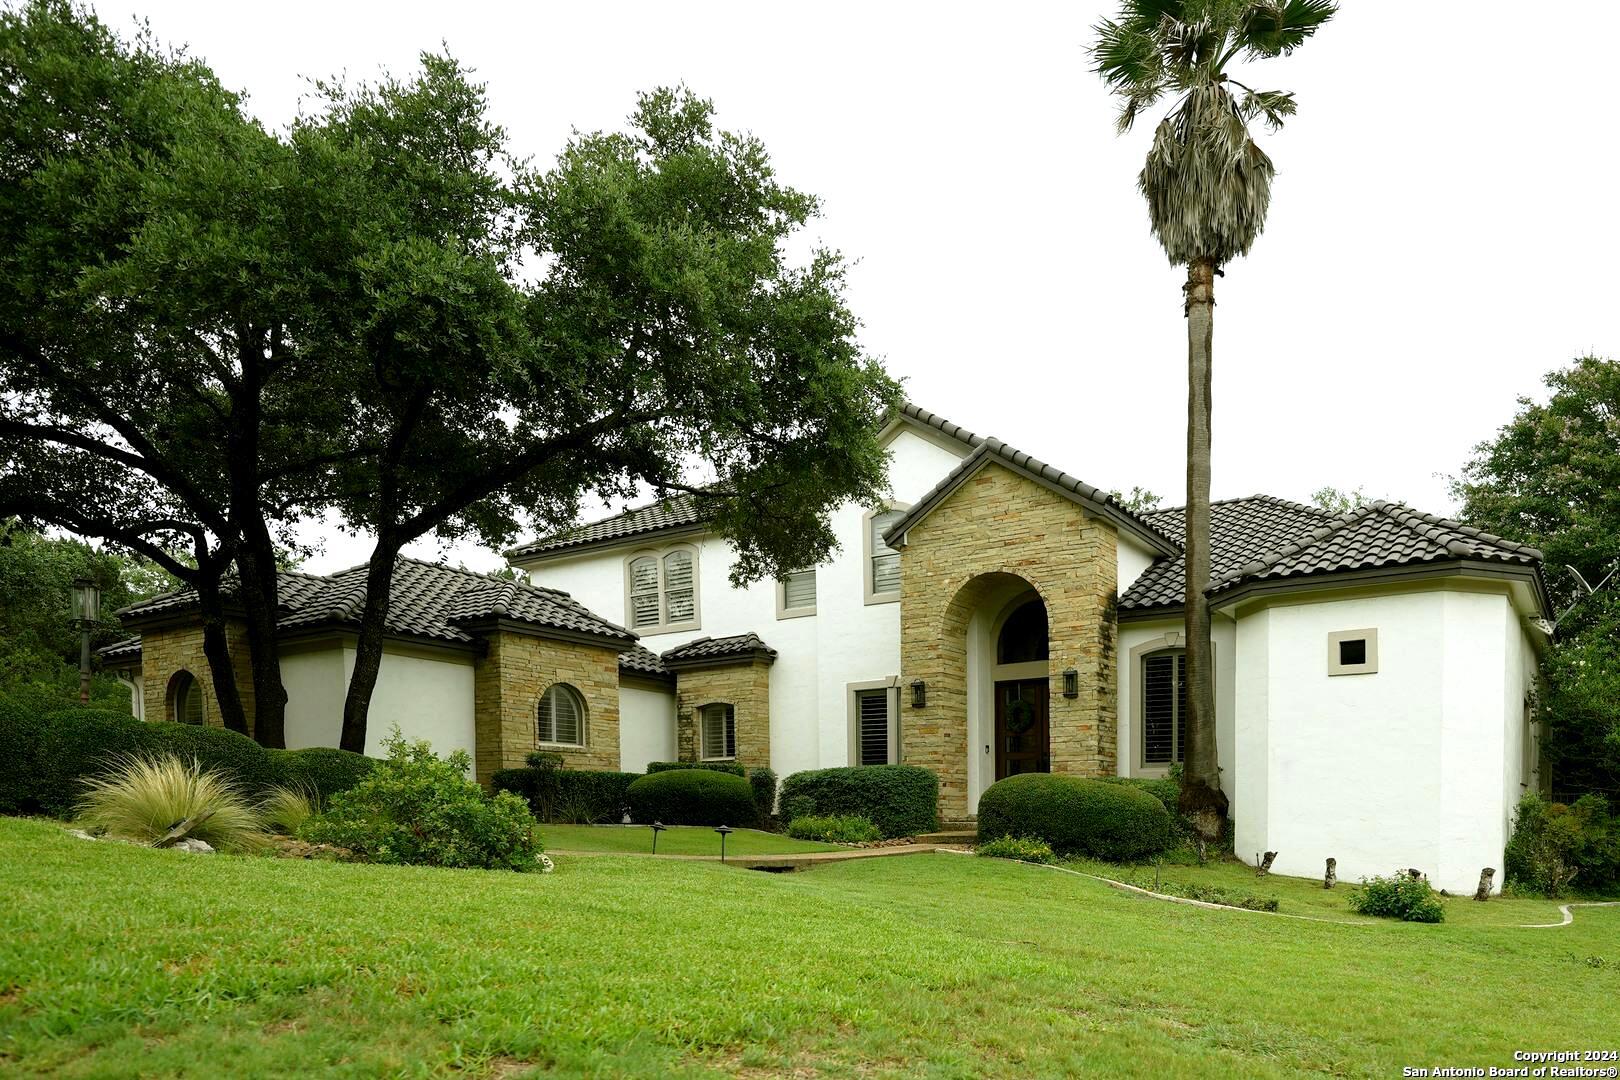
[(746, 687), (507, 683), (999, 522), (170, 649)]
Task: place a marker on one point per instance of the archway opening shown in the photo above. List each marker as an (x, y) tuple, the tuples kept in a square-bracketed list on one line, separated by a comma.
[(186, 699)]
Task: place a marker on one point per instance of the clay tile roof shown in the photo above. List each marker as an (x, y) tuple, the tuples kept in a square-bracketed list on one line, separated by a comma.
[(427, 601), (1240, 530), (1379, 534), (128, 649), (640, 660), (706, 650)]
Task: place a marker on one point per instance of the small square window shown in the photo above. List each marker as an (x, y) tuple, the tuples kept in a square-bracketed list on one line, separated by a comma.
[(1353, 652)]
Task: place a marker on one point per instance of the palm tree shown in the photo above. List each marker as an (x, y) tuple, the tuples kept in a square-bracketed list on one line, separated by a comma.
[(1207, 186)]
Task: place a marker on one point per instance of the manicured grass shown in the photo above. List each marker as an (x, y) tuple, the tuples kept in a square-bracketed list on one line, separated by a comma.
[(116, 960), (1301, 896), (675, 840)]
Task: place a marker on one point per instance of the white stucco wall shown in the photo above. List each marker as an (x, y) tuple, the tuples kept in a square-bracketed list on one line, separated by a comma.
[(1400, 768), (818, 657), (429, 696), (1223, 634), (1131, 557), (646, 727)]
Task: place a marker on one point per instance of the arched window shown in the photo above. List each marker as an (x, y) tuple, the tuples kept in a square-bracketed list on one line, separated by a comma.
[(661, 590), (1164, 706), (1023, 635), (186, 699), (562, 716)]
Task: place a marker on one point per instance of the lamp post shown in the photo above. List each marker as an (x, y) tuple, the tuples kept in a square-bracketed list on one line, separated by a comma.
[(723, 830), (657, 827), (86, 614)]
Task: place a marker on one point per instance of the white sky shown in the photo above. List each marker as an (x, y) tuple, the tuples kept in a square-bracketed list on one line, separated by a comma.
[(1442, 229)]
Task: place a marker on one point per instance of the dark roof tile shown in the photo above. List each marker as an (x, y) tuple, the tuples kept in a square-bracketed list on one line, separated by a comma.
[(706, 649)]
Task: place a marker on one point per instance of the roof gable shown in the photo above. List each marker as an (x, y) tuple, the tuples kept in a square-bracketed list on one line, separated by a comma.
[(1098, 502)]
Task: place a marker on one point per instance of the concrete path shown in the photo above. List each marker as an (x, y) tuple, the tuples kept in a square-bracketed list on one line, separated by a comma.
[(800, 860)]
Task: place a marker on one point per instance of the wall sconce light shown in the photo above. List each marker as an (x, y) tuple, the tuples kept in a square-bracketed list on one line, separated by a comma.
[(1071, 682), (919, 693)]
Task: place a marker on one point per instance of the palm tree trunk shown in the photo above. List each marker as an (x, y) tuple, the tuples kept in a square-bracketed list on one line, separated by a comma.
[(1201, 796)]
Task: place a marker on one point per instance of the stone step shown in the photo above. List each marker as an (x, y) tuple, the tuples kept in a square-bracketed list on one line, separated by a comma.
[(949, 836)]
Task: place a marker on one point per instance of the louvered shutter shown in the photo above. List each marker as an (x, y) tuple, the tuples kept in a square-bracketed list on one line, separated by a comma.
[(644, 591), (872, 716), (799, 590), (679, 596), (885, 560)]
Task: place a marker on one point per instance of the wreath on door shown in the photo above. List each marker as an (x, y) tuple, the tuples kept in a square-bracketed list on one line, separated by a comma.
[(1019, 717)]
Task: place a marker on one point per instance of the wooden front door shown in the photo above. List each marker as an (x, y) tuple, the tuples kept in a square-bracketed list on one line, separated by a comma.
[(1023, 737)]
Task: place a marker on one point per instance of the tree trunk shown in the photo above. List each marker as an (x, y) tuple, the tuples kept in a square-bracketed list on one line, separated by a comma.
[(1484, 890), (368, 650), (256, 566), (1330, 876), (217, 650), (1201, 797), (1265, 864)]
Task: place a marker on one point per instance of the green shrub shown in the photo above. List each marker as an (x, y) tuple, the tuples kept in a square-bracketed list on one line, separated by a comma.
[(22, 734), (692, 797), (901, 800), (568, 796), (1163, 788), (796, 807), (236, 756), (1076, 815), (1022, 849), (144, 798), (763, 782), (325, 770), (1400, 896), (79, 743), (418, 808), (1555, 846), (731, 767), (285, 809), (834, 829)]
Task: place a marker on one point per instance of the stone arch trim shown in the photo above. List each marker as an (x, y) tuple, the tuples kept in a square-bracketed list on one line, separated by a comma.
[(1000, 523)]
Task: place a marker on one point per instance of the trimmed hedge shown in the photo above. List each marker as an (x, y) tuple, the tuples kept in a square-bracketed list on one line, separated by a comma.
[(731, 767), (1166, 790), (692, 797), (45, 759), (596, 796), (901, 800), (1076, 815), (763, 782)]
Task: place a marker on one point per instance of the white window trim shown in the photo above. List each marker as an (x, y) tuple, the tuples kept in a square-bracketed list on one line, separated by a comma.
[(1370, 667), (892, 685), (785, 612), (703, 754), (584, 722), (868, 595), (1138, 748), (664, 626)]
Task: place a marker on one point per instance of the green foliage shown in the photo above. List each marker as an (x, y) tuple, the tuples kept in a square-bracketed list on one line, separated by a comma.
[(285, 809), (80, 743), (763, 782), (1399, 896), (834, 828), (236, 756), (732, 767), (902, 800), (1020, 849), (1555, 846), (1550, 478), (1207, 184), (570, 796), (692, 797), (145, 798), (1211, 894), (1164, 788), (1076, 815), (1139, 500), (796, 807), (324, 770), (22, 739), (1334, 501), (420, 809)]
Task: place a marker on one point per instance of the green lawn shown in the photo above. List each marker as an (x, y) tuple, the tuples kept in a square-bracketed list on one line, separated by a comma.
[(116, 961), (675, 840)]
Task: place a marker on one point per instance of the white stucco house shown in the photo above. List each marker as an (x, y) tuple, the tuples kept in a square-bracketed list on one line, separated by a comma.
[(1373, 671)]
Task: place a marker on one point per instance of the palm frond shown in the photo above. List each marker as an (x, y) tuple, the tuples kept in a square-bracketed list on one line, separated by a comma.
[(1126, 57), (1273, 105), (1278, 27)]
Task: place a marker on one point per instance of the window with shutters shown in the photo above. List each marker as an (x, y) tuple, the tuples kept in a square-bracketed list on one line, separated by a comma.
[(660, 590), (561, 717), (1164, 706), (873, 721), (719, 732), (882, 563), (796, 594)]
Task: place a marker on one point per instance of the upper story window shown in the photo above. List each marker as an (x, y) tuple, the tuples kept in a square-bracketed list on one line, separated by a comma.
[(661, 590), (1164, 707), (562, 717), (882, 563), (1353, 652), (796, 594)]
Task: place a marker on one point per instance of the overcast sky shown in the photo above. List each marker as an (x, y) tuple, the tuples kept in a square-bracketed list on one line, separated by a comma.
[(1443, 228)]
